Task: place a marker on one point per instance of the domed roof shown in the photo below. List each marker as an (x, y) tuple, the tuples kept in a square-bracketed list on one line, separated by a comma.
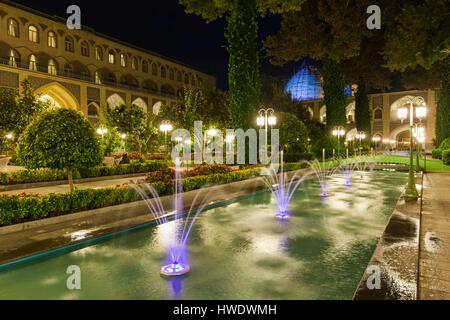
[(305, 85)]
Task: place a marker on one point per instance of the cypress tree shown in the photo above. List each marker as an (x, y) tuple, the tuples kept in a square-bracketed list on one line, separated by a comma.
[(334, 97), (362, 113), (443, 104)]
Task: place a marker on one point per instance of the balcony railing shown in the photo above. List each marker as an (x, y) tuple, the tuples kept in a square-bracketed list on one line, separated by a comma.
[(83, 77)]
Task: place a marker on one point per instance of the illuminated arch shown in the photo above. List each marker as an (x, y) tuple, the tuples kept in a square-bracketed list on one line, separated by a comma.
[(157, 107), (114, 101), (140, 103), (323, 114), (58, 96), (350, 112)]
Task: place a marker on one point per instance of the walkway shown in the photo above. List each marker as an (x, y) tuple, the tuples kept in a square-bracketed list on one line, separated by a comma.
[(65, 187), (435, 238)]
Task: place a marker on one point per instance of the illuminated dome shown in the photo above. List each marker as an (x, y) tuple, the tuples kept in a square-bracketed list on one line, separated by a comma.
[(305, 85)]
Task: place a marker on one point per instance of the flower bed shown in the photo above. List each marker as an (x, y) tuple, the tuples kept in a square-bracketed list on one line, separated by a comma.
[(23, 208)]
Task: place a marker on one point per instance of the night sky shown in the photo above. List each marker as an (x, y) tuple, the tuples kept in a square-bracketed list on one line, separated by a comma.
[(168, 31)]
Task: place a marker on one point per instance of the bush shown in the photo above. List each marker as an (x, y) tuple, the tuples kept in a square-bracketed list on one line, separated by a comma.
[(23, 208), (209, 169), (436, 153), (446, 157), (44, 175)]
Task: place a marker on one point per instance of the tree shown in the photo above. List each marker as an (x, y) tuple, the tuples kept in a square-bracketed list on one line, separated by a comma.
[(338, 29), (243, 63), (334, 99), (133, 122), (59, 139), (443, 105), (419, 35), (241, 34), (18, 108), (362, 112), (293, 136)]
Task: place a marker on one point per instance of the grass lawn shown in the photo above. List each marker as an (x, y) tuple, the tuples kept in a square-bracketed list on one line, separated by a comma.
[(431, 164)]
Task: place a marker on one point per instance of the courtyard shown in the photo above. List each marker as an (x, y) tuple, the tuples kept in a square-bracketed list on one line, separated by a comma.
[(281, 165)]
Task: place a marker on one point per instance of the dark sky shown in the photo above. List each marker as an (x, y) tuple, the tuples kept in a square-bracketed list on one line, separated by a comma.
[(162, 26)]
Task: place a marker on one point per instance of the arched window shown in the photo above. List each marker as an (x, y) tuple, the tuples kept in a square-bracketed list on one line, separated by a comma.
[(68, 69), (111, 57), (69, 44), (193, 81), (84, 49), (111, 78), (33, 34), (186, 78), (171, 74), (163, 72), (98, 53), (200, 81), (154, 69), (123, 60), (378, 114), (13, 28), (93, 113), (51, 39), (134, 63), (14, 58), (98, 79), (179, 76), (145, 66), (32, 63), (52, 67)]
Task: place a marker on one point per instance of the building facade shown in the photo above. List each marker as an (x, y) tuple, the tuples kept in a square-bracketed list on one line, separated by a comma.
[(84, 70), (390, 130)]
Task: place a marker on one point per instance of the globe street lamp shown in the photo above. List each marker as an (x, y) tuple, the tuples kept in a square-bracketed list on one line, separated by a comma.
[(360, 135), (165, 127), (266, 118), (338, 132), (419, 133), (376, 139), (411, 192)]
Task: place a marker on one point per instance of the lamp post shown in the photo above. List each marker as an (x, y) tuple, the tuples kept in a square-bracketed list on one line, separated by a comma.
[(165, 127), (102, 131), (338, 132), (266, 118), (360, 135), (411, 192), (376, 139)]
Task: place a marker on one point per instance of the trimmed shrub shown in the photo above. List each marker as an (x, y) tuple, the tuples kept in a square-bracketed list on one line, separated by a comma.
[(446, 157), (45, 175), (436, 153), (209, 169)]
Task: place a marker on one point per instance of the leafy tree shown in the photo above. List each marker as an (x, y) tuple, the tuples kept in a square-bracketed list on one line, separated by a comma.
[(443, 105), (327, 30), (241, 34), (198, 104), (418, 35), (134, 123), (18, 108), (334, 99), (362, 112), (243, 63), (293, 134), (110, 141), (60, 139)]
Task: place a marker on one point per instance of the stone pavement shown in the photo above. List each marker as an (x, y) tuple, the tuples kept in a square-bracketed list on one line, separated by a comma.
[(434, 281), (83, 185)]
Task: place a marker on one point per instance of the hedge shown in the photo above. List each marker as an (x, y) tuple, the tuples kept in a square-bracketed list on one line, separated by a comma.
[(23, 208), (446, 157), (45, 175)]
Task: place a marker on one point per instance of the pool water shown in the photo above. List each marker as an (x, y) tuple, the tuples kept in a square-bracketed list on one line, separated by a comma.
[(236, 251)]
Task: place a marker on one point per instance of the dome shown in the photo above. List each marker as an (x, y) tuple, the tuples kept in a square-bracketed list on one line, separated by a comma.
[(305, 85)]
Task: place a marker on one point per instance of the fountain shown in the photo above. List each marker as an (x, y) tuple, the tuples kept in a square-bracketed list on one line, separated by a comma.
[(323, 170), (360, 164), (282, 188), (177, 261)]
